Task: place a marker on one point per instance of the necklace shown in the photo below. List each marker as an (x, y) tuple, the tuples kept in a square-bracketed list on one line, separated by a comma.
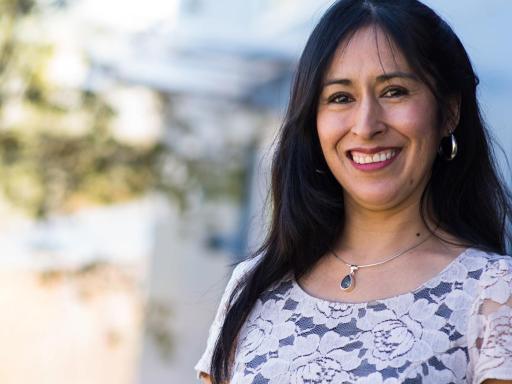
[(349, 281)]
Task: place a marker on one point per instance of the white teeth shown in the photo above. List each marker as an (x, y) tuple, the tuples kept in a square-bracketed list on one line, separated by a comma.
[(362, 158)]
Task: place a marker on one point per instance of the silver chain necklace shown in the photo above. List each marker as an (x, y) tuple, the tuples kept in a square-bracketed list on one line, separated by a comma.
[(348, 282)]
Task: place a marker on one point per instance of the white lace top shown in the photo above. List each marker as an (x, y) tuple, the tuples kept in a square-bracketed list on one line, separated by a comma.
[(455, 328)]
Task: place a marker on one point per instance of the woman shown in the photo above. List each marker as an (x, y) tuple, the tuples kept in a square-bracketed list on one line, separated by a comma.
[(382, 263)]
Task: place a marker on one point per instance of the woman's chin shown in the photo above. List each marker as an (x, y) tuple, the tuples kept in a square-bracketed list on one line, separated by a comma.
[(377, 201)]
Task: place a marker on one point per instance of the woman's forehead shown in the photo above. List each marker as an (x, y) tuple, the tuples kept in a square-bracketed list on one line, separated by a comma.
[(368, 48)]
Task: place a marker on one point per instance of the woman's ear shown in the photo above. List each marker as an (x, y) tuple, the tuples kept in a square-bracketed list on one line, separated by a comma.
[(452, 120)]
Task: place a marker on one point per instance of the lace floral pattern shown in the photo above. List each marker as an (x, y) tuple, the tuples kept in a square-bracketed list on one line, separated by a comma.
[(455, 328)]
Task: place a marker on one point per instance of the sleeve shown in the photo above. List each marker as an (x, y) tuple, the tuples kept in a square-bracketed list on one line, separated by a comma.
[(490, 324), (203, 365)]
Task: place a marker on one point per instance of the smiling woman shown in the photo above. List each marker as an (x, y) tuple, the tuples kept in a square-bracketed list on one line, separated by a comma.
[(385, 258)]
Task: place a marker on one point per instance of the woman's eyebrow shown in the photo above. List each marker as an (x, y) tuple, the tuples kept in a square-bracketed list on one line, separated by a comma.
[(392, 75), (380, 79)]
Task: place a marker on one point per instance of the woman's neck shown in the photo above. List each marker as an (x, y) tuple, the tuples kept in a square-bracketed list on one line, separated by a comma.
[(370, 236)]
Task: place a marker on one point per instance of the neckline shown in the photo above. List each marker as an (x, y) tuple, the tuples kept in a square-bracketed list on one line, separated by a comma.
[(310, 297)]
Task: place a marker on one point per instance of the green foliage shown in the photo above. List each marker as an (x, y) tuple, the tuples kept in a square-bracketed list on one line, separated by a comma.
[(44, 172), (58, 153)]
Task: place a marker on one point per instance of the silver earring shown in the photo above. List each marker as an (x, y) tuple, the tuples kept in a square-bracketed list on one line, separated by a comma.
[(453, 148)]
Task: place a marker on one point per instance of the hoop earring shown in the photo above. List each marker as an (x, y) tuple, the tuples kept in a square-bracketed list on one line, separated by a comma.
[(453, 148)]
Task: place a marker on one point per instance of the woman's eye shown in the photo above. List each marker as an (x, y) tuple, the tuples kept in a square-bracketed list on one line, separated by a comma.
[(340, 98), (395, 92)]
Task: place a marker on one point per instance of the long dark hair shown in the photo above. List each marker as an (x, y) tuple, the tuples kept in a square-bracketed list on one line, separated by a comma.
[(466, 197)]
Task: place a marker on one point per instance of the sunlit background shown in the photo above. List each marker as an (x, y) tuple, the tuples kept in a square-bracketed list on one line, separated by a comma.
[(135, 140)]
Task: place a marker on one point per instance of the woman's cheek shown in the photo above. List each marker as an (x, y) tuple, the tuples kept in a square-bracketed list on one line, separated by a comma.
[(331, 129)]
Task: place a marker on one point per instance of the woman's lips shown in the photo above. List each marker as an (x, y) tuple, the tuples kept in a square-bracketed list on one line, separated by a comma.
[(370, 160)]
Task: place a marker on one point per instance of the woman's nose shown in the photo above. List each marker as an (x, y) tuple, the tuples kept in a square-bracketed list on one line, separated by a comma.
[(368, 118)]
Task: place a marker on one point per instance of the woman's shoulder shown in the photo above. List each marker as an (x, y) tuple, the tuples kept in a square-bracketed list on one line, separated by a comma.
[(493, 272), (240, 270), (245, 266), (237, 275), (487, 262)]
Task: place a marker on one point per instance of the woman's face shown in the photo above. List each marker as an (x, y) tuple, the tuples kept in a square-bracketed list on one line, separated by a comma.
[(377, 123)]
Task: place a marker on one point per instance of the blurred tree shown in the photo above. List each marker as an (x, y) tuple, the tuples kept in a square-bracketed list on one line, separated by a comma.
[(58, 153)]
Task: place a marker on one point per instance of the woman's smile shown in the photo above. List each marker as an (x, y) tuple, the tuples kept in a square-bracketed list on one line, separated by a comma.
[(372, 159)]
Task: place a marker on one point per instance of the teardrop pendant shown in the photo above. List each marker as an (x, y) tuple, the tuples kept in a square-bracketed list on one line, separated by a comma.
[(348, 283)]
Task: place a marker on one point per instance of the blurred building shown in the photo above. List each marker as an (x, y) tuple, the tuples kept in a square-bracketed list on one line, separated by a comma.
[(223, 71)]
